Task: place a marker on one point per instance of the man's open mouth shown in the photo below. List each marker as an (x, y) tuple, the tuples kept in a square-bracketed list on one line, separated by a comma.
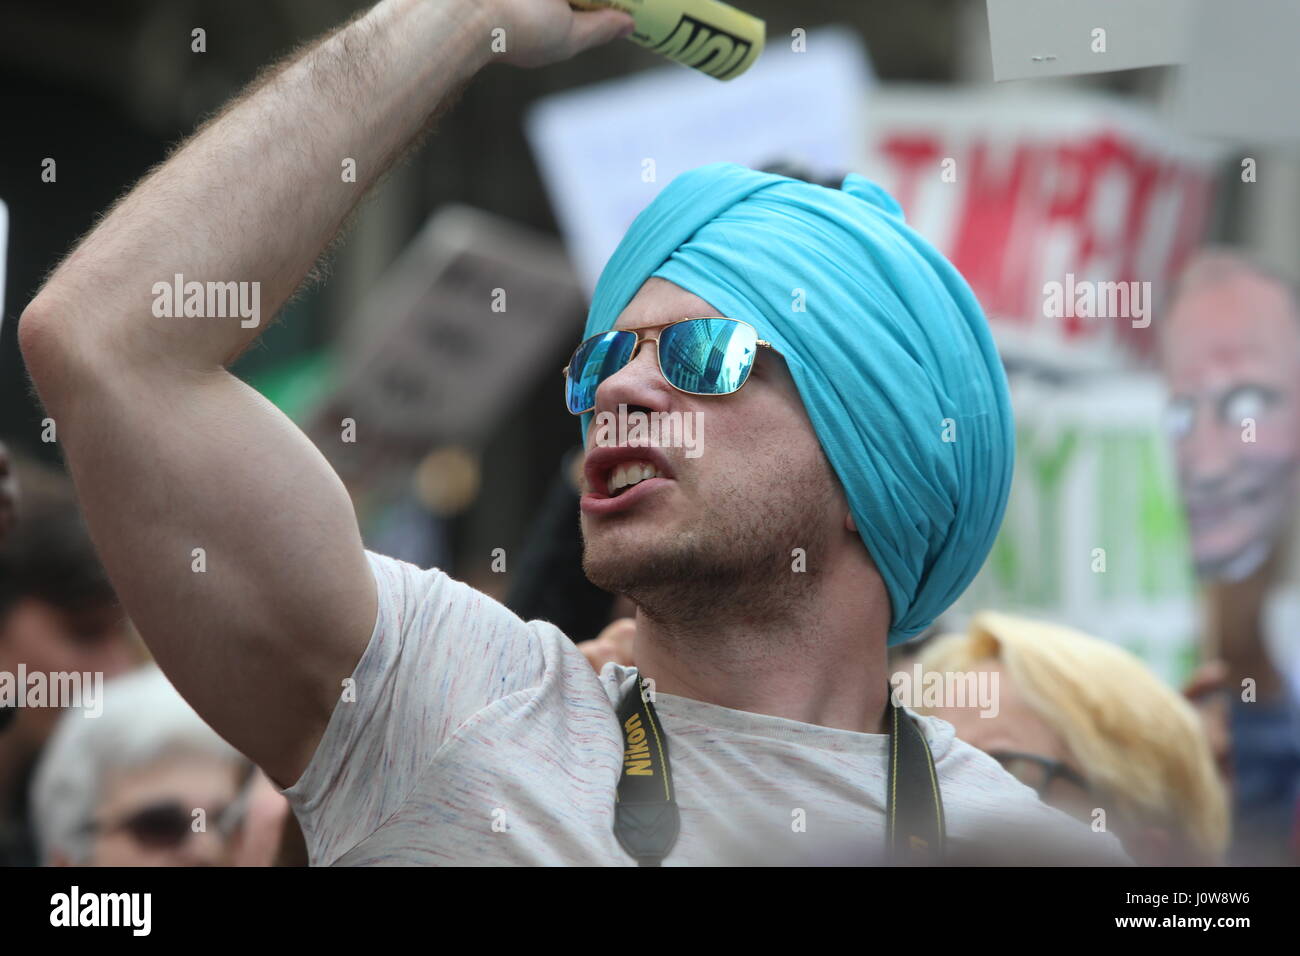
[(617, 477), (623, 477)]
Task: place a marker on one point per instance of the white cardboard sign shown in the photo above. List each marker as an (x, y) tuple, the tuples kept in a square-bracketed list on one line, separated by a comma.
[(606, 150), (1036, 38)]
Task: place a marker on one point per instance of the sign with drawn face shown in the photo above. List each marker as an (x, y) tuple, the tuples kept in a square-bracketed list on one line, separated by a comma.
[(1231, 357)]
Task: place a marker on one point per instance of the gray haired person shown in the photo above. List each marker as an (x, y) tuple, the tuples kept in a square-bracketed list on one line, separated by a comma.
[(147, 783)]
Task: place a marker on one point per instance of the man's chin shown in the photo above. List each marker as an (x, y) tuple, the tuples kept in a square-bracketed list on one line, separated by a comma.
[(624, 560), (619, 573), (618, 535)]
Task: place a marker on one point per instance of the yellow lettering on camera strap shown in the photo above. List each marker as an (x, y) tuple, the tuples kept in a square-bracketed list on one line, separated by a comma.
[(647, 822)]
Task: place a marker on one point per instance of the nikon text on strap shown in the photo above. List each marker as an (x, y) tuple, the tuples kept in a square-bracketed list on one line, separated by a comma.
[(646, 820)]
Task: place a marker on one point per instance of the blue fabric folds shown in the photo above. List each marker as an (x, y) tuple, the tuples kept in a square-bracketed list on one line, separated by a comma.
[(891, 355)]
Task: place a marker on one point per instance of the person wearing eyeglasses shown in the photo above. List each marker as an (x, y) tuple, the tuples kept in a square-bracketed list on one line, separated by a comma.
[(855, 455), (147, 783), (1090, 729)]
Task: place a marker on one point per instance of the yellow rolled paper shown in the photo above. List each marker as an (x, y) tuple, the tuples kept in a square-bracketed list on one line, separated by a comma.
[(703, 34)]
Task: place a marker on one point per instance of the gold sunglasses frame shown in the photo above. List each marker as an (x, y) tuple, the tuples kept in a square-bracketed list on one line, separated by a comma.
[(759, 343)]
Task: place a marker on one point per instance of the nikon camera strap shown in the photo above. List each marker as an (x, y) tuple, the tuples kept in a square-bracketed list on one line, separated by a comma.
[(646, 820)]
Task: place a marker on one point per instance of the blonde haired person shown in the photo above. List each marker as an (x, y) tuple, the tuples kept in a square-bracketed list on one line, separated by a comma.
[(1088, 725)]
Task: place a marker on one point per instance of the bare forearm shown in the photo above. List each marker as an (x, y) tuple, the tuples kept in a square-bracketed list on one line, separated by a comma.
[(175, 460), (259, 192)]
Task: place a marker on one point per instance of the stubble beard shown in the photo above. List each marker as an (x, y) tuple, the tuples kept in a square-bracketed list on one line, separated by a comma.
[(737, 561)]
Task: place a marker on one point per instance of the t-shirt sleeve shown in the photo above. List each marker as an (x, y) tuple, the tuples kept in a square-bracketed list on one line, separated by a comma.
[(440, 651)]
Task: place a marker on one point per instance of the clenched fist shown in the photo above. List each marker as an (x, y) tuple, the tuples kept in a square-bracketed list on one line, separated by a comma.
[(538, 32)]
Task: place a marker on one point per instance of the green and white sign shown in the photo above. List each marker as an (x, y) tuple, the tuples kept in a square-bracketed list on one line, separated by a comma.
[(1094, 536)]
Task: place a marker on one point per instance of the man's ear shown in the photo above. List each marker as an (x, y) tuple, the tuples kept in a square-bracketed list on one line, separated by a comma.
[(849, 523)]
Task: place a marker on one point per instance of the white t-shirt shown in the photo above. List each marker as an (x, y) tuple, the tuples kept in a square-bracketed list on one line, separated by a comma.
[(478, 739)]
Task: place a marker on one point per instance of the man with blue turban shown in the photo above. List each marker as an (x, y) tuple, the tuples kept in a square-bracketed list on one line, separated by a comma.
[(798, 450), (885, 343)]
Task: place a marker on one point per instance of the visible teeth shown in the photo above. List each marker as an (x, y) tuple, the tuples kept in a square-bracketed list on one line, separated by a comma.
[(624, 476)]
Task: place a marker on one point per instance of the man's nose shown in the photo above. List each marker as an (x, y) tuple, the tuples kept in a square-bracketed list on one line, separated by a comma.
[(637, 384), (1211, 448), (208, 848)]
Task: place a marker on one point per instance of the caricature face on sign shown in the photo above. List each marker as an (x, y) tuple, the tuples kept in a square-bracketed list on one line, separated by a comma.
[(1231, 356)]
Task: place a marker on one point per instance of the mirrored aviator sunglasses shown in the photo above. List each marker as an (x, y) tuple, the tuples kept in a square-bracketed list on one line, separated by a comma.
[(710, 355)]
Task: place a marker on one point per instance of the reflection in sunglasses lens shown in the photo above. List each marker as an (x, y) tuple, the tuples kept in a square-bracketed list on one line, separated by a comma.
[(596, 360), (708, 356)]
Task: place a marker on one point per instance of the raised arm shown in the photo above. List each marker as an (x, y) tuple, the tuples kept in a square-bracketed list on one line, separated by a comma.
[(170, 453)]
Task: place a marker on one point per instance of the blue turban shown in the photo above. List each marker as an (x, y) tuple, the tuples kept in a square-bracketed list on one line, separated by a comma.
[(892, 356)]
